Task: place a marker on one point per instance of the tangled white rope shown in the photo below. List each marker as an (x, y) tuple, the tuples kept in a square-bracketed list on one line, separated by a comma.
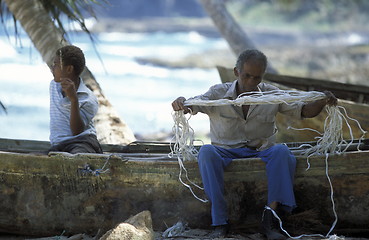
[(183, 147), (330, 142), (253, 98)]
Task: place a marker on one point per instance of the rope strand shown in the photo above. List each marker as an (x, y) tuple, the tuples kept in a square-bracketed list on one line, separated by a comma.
[(183, 148)]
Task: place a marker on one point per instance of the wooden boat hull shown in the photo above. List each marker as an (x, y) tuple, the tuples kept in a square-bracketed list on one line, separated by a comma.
[(47, 195)]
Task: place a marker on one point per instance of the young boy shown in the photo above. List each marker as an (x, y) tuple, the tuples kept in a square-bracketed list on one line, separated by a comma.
[(72, 105)]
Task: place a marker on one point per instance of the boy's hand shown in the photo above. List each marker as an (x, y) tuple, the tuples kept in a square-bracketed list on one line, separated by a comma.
[(69, 88)]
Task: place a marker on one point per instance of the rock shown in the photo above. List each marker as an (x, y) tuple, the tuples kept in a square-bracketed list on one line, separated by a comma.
[(137, 227)]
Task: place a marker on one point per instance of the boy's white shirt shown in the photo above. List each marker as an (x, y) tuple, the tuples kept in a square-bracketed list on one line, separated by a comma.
[(60, 112)]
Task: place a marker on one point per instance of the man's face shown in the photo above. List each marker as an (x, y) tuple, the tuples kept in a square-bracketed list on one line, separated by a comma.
[(250, 76)]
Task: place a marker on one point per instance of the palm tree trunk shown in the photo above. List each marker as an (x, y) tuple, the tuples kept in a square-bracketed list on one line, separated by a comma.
[(47, 39), (231, 31)]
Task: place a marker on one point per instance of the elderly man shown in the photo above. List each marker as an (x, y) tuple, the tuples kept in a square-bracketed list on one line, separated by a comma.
[(245, 132)]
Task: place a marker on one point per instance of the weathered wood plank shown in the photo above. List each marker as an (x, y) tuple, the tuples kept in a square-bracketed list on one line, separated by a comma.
[(350, 92), (134, 149), (22, 145)]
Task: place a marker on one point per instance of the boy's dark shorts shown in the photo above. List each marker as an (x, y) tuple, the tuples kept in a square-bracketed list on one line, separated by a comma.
[(83, 144)]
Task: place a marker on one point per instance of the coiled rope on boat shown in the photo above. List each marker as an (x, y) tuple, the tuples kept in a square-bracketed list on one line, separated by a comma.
[(329, 142)]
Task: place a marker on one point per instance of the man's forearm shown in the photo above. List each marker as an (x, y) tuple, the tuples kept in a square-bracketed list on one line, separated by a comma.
[(313, 109)]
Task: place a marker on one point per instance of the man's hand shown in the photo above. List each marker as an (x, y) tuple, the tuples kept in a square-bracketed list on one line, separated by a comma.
[(331, 99), (69, 88), (178, 105)]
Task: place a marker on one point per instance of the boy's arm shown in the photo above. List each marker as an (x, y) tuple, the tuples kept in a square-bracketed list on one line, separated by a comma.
[(76, 124)]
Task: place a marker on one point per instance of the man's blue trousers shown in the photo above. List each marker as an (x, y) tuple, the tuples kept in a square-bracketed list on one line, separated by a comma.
[(280, 169)]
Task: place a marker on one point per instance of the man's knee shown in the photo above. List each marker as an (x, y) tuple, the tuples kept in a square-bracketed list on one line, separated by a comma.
[(206, 152), (283, 154), (207, 149), (281, 149)]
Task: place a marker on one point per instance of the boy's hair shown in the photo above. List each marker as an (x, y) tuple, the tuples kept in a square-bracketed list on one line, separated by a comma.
[(72, 55), (251, 54)]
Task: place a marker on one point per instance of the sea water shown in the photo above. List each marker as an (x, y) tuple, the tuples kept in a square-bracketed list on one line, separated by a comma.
[(140, 93)]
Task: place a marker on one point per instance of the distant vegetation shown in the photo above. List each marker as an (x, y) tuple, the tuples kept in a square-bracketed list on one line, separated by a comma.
[(317, 15), (309, 15), (314, 15)]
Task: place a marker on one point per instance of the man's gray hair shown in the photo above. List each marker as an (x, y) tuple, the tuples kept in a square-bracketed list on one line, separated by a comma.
[(251, 54)]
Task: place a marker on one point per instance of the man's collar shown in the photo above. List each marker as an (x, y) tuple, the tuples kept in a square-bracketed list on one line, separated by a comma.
[(232, 91)]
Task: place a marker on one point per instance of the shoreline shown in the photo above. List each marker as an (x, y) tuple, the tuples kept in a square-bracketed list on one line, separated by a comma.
[(203, 26), (262, 35)]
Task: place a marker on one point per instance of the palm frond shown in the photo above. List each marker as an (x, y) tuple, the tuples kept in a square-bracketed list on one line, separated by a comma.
[(73, 10), (6, 14), (3, 107)]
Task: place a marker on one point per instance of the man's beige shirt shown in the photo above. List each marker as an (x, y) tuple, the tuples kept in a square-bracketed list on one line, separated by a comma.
[(229, 128)]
